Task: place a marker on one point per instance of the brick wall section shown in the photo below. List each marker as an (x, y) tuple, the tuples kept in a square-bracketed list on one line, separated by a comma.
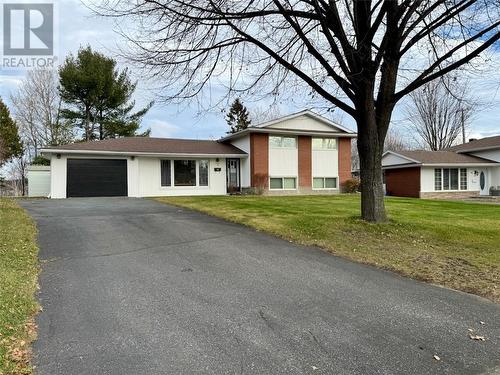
[(259, 159), (403, 182), (305, 161), (449, 194), (344, 146)]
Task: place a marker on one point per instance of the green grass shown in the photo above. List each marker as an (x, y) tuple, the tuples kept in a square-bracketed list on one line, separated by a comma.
[(454, 244), (18, 284)]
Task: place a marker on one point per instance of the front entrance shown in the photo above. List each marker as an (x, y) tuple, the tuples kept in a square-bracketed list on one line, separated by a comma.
[(483, 182), (233, 175)]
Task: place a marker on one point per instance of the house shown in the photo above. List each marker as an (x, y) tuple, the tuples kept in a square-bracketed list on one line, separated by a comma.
[(302, 153), (466, 170)]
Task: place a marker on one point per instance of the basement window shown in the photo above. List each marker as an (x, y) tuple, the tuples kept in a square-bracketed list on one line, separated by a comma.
[(324, 183), (282, 183)]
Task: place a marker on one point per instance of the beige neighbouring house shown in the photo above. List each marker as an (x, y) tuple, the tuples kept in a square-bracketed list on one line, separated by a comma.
[(303, 153), (466, 170)]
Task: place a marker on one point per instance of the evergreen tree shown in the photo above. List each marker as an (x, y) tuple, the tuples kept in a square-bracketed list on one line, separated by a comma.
[(238, 117), (98, 96), (10, 142)]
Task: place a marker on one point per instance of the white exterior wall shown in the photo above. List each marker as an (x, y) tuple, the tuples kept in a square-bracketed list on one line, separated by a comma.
[(149, 182), (283, 162), (58, 177), (427, 179), (488, 154), (38, 181), (305, 123), (325, 163), (243, 144)]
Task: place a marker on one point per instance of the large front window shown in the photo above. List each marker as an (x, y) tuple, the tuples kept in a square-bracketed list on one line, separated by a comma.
[(185, 172), (450, 179)]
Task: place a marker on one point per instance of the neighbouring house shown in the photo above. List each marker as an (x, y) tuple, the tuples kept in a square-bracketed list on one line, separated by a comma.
[(466, 170), (302, 153)]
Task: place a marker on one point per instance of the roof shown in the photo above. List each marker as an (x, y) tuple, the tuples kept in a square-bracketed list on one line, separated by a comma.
[(147, 145), (478, 144), (336, 129), (439, 157)]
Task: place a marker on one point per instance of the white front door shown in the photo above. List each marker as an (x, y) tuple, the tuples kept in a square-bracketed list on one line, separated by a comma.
[(483, 182)]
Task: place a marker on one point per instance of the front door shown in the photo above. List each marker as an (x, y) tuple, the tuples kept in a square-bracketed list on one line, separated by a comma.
[(233, 175), (483, 182)]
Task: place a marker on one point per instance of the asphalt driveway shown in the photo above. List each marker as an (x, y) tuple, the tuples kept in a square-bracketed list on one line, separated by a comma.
[(131, 286)]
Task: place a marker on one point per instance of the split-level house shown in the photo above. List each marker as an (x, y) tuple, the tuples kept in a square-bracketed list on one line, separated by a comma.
[(469, 169), (302, 153)]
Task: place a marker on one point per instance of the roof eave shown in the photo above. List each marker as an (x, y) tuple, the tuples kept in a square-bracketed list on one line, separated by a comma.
[(290, 132), (145, 154), (477, 149)]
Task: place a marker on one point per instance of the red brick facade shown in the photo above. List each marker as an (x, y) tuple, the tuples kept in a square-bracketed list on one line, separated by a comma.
[(259, 159), (403, 182), (305, 161), (344, 146)]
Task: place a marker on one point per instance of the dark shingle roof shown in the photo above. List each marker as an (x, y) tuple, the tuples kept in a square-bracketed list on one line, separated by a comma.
[(441, 157), (155, 145), (478, 144)]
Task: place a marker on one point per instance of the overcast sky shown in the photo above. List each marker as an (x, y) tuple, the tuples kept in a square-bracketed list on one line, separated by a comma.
[(78, 27)]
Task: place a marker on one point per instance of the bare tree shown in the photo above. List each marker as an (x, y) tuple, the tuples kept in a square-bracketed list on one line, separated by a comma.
[(440, 112), (394, 141), (37, 109), (353, 54), (260, 114)]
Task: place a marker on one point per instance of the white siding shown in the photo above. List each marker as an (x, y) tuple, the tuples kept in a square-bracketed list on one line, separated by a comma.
[(58, 177), (150, 180), (488, 154), (325, 163), (243, 144), (391, 159), (283, 162), (427, 179), (38, 181), (304, 123)]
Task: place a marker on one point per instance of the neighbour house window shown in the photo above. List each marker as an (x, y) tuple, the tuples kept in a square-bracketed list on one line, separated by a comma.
[(324, 183), (282, 142), (463, 179), (437, 179), (324, 143), (203, 172), (166, 170), (450, 179), (282, 183), (185, 172)]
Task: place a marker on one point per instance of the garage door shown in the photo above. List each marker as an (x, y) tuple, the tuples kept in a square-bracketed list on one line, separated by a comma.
[(96, 178)]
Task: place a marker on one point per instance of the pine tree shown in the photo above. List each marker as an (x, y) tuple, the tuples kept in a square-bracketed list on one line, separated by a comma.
[(10, 142), (98, 96), (238, 117)]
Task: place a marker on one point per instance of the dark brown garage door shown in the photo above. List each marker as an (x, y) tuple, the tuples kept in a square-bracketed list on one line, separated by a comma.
[(96, 178)]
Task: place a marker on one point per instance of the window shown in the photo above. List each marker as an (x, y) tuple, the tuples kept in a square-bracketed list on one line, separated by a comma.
[(203, 172), (166, 172), (185, 172), (280, 183), (437, 179), (324, 143), (282, 142), (450, 179), (324, 183), (463, 179)]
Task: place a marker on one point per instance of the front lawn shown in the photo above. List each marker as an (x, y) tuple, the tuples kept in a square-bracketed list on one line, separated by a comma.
[(453, 244), (18, 283)]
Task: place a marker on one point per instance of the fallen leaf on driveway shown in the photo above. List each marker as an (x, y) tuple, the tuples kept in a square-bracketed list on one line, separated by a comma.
[(477, 337)]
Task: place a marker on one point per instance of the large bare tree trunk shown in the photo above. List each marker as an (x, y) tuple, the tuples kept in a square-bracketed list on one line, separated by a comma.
[(370, 150)]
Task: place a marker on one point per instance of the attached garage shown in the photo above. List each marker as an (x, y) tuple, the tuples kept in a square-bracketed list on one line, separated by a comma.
[(96, 178)]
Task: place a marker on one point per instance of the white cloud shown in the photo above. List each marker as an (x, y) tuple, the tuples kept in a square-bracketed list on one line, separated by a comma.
[(161, 129)]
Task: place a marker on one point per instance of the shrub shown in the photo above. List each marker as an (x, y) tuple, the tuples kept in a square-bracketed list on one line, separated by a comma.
[(350, 186), (40, 160)]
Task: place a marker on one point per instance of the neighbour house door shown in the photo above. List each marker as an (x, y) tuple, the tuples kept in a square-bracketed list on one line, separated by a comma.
[(483, 182), (233, 175)]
